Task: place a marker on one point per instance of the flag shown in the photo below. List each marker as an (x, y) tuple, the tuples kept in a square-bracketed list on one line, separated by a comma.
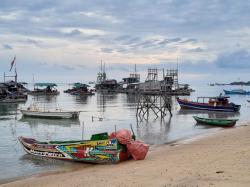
[(12, 63)]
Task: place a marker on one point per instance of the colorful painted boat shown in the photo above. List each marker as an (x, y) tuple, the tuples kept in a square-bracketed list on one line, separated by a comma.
[(236, 91), (219, 103), (216, 121), (99, 149)]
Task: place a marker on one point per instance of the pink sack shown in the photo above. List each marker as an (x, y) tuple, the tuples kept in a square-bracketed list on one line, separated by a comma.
[(112, 135), (124, 136), (138, 149)]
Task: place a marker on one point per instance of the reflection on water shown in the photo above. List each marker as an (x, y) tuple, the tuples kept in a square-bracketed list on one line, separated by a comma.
[(83, 99), (155, 132), (41, 121), (117, 111), (45, 98), (208, 114), (8, 109)]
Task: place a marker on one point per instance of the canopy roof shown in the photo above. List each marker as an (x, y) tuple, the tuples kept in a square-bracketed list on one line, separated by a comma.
[(45, 84), (80, 85)]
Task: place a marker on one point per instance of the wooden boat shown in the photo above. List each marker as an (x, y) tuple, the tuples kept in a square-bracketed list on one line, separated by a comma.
[(11, 92), (48, 90), (216, 121), (237, 91), (33, 111), (219, 103), (14, 99), (99, 149), (79, 89)]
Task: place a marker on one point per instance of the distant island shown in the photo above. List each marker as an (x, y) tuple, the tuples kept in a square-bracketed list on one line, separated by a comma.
[(236, 83)]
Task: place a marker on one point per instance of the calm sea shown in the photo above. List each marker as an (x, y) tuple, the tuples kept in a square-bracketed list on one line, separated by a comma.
[(116, 111)]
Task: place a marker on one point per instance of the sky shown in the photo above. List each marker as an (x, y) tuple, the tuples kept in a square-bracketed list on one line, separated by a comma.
[(66, 40)]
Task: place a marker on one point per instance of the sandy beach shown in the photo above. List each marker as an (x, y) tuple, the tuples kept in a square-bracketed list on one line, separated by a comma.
[(220, 159)]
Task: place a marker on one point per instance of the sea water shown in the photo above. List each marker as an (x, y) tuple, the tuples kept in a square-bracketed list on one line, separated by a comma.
[(99, 113)]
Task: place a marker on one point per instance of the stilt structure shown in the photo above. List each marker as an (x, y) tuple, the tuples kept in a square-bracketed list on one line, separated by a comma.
[(172, 74), (101, 76), (152, 75), (158, 104), (8, 76)]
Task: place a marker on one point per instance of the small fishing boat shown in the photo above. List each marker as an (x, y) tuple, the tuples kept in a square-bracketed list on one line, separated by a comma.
[(220, 103), (48, 90), (33, 111), (79, 89), (99, 149), (216, 121), (237, 91), (12, 92)]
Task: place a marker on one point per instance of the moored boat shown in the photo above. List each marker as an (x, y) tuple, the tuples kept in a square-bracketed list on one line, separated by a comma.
[(13, 99), (12, 92), (99, 149), (216, 121), (33, 111), (79, 89), (48, 90), (219, 103), (237, 91)]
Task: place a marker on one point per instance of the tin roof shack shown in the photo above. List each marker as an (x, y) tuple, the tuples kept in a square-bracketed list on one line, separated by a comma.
[(130, 84), (109, 85), (152, 85), (169, 85), (106, 85)]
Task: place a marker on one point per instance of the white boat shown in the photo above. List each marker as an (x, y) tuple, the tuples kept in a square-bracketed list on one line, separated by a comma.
[(58, 113)]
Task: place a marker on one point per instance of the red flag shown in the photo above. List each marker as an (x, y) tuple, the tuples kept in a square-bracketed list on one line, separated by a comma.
[(12, 63)]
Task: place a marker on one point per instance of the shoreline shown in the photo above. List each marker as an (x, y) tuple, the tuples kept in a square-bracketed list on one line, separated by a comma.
[(174, 164), (82, 166)]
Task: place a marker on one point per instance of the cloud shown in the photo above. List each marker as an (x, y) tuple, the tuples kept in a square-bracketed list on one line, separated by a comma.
[(238, 59), (36, 43), (7, 46), (198, 49), (198, 32), (74, 32), (106, 50)]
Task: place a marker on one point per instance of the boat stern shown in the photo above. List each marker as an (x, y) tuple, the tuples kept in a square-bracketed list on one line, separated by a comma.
[(237, 108)]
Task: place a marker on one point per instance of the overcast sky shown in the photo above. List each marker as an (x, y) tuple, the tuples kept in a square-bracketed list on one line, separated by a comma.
[(65, 40)]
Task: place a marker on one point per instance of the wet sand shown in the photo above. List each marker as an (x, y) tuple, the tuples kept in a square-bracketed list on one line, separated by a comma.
[(221, 159)]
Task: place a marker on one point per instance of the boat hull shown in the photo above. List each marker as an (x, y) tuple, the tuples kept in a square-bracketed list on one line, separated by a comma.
[(14, 99), (92, 151), (43, 93), (204, 106), (48, 114), (20, 100), (216, 121), (236, 92)]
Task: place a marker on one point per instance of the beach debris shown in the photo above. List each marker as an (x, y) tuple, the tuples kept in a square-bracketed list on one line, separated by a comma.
[(97, 117), (219, 171)]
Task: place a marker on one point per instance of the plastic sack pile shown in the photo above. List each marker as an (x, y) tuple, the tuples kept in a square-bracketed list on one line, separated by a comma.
[(137, 149)]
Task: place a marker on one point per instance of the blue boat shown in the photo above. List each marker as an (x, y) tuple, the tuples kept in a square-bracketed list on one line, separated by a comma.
[(220, 103), (237, 91)]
